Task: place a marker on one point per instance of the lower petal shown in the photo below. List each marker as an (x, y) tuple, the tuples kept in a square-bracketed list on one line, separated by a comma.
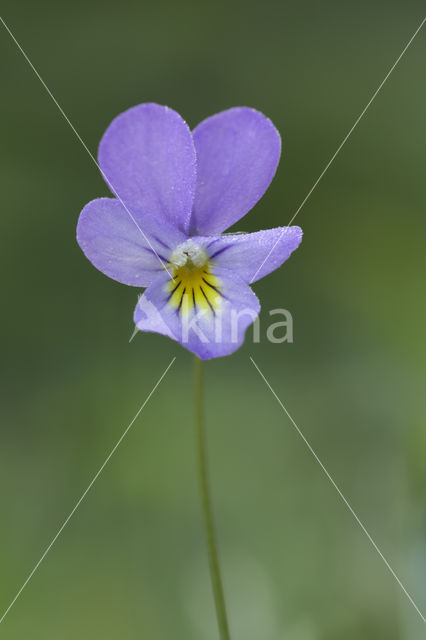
[(209, 318)]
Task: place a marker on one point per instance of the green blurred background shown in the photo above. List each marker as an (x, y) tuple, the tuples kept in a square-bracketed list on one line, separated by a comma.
[(131, 563)]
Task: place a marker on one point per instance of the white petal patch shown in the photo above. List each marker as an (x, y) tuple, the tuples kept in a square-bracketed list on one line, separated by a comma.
[(190, 252)]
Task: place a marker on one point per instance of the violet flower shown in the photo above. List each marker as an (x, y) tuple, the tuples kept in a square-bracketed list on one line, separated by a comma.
[(176, 192)]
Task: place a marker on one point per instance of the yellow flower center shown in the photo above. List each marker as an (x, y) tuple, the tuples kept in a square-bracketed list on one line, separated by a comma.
[(193, 286)]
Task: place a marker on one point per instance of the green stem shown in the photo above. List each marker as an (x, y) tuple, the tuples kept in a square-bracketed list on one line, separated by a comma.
[(207, 508)]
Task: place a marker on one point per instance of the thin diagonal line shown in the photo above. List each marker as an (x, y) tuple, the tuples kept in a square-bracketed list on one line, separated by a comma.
[(80, 139), (339, 491), (345, 139), (92, 482)]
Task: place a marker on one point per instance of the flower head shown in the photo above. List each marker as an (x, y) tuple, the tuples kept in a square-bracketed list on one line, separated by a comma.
[(175, 192)]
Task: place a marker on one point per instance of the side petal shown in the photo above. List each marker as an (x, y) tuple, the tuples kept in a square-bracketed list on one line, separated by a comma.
[(130, 249), (209, 330), (238, 151), (252, 255), (147, 157)]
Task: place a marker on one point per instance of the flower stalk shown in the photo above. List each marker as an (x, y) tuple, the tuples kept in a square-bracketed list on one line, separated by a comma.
[(215, 575)]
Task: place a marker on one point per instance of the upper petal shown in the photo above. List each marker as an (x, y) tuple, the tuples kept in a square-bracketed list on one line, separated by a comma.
[(131, 248), (252, 255), (147, 157), (238, 151), (209, 332)]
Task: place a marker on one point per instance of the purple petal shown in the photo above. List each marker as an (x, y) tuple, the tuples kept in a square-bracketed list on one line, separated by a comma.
[(130, 248), (148, 159), (209, 332), (252, 255), (238, 151), (148, 319)]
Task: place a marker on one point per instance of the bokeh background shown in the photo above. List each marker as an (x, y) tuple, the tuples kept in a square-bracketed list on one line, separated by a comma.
[(131, 563)]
